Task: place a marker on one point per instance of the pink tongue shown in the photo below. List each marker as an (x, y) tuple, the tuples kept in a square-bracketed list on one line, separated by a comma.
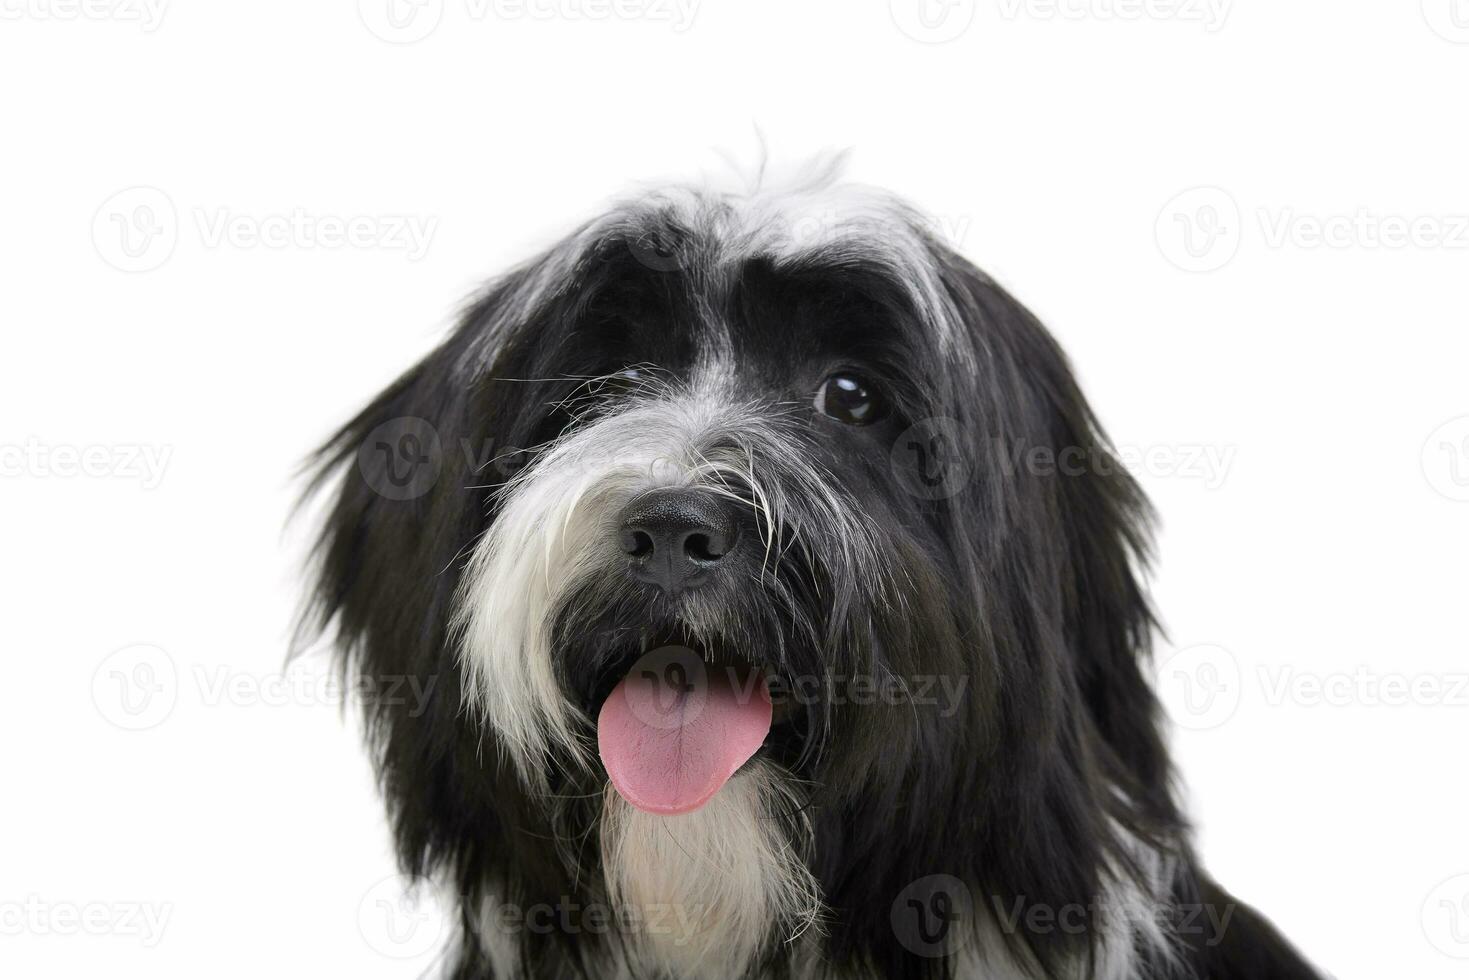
[(674, 731)]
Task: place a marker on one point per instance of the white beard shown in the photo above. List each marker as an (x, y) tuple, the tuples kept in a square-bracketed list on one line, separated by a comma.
[(726, 879)]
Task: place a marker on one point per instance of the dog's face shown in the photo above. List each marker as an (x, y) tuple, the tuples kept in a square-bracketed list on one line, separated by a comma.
[(740, 541), (728, 455)]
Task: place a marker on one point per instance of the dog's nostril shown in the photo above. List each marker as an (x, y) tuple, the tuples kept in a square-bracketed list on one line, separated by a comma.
[(703, 547), (636, 543)]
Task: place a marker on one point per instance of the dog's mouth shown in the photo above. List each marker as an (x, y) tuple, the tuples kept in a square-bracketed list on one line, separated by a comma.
[(677, 722)]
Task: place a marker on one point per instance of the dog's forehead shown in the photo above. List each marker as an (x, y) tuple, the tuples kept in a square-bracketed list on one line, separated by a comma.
[(768, 280), (784, 273)]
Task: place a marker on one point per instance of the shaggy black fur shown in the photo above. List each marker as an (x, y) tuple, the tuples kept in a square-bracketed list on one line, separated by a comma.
[(1024, 582)]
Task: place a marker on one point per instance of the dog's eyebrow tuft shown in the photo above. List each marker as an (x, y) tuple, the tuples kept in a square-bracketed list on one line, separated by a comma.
[(809, 219)]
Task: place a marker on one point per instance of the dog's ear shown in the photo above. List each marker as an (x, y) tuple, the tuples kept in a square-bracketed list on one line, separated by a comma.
[(407, 483), (407, 487), (392, 477), (1074, 489)]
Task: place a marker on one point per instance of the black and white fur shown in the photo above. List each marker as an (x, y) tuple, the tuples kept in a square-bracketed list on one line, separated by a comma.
[(676, 341)]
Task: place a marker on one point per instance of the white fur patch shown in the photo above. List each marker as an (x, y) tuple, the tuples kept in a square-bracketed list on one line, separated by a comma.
[(557, 522), (730, 870)]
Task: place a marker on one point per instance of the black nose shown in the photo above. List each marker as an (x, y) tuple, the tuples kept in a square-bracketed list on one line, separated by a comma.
[(674, 536)]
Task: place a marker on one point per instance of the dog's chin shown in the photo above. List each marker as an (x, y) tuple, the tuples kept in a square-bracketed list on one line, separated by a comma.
[(678, 716), (695, 753)]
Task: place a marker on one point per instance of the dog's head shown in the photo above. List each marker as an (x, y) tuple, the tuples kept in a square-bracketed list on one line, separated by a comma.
[(783, 519)]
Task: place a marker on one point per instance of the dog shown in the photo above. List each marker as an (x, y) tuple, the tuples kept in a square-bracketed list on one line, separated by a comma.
[(757, 641)]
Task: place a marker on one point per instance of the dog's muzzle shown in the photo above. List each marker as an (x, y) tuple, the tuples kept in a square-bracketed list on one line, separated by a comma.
[(677, 537)]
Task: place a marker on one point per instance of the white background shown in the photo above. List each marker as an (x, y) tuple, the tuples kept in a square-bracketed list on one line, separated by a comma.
[(1324, 547)]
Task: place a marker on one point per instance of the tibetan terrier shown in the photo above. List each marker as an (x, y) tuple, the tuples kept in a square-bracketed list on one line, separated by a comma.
[(777, 604)]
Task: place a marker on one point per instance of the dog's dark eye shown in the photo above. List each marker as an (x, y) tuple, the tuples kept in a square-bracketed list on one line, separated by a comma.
[(849, 398)]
